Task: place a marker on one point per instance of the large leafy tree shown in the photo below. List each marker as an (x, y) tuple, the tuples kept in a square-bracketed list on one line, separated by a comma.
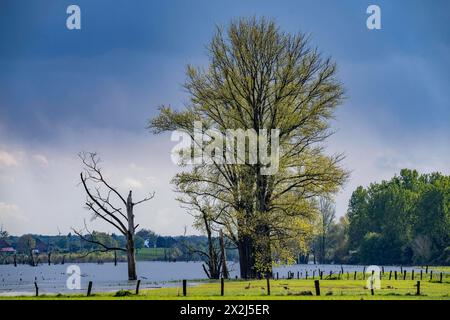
[(262, 78)]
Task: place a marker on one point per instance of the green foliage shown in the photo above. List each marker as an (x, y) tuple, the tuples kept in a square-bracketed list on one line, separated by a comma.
[(404, 220)]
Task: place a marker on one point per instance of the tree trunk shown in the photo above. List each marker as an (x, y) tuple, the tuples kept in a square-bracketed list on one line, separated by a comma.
[(213, 271), (246, 258), (32, 262), (131, 258), (263, 251), (224, 257)]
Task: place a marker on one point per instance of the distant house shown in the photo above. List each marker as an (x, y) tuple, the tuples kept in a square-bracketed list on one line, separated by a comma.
[(6, 247)]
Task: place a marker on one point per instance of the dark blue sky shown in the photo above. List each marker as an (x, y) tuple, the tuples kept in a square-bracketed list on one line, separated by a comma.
[(57, 86), (139, 49)]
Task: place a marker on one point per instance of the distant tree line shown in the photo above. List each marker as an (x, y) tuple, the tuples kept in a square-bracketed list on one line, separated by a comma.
[(167, 248), (405, 220)]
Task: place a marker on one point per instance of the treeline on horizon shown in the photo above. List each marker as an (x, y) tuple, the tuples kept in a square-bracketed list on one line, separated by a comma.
[(160, 248), (403, 221)]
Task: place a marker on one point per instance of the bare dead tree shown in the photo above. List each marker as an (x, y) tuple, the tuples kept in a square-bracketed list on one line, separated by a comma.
[(106, 203)]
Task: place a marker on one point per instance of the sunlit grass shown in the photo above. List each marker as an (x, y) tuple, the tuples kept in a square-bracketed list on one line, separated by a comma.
[(285, 289)]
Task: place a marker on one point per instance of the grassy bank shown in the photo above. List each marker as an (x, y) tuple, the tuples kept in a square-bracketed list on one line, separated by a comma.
[(284, 289)]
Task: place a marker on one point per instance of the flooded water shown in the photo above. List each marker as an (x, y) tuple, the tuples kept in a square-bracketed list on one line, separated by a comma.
[(107, 277)]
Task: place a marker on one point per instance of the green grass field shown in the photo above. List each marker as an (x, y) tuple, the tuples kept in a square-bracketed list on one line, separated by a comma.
[(151, 253), (284, 289)]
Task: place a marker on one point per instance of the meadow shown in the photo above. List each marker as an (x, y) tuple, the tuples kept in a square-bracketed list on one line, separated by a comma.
[(336, 288)]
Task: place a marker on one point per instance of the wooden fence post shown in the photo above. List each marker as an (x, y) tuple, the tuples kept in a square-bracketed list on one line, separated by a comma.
[(268, 286), (412, 274), (431, 275), (317, 285), (184, 288), (89, 289), (372, 292), (298, 274), (426, 270), (421, 271), (404, 274), (440, 278), (418, 288), (354, 276), (222, 286), (390, 275), (138, 284), (314, 273), (395, 274), (277, 276), (37, 288), (321, 275), (306, 274)]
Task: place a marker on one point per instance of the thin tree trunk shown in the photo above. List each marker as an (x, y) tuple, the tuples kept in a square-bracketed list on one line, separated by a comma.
[(32, 263), (224, 257), (131, 258), (212, 263)]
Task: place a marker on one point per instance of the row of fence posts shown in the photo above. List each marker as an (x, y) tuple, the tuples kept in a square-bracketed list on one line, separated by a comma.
[(316, 286), (403, 274), (290, 276), (25, 260)]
